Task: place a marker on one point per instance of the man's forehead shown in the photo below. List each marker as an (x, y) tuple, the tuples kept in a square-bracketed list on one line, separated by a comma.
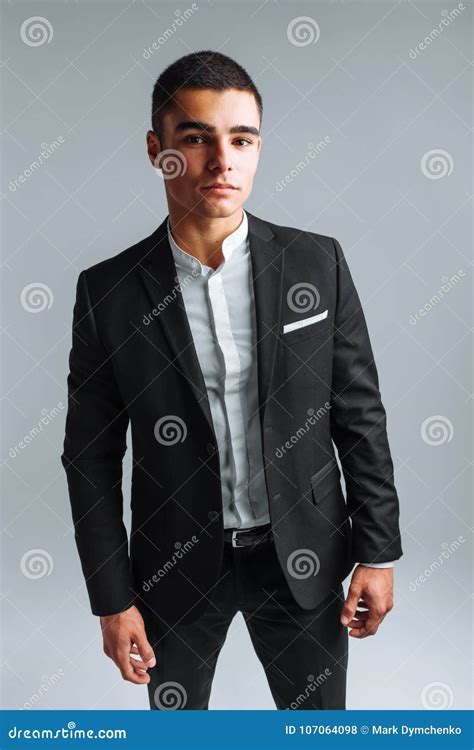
[(193, 104)]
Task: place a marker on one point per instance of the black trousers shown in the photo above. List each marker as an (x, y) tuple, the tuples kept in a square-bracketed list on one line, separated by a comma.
[(304, 652)]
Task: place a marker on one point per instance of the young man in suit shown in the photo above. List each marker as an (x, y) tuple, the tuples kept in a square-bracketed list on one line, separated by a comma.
[(238, 351)]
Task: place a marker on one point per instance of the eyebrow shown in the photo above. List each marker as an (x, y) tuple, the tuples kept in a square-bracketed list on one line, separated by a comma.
[(197, 125)]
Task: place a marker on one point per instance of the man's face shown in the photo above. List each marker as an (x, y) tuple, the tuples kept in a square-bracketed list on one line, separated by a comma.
[(216, 135)]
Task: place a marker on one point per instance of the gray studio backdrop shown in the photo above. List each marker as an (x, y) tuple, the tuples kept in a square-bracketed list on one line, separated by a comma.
[(366, 137)]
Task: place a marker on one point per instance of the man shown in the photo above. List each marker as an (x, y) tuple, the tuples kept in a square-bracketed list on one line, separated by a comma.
[(238, 351)]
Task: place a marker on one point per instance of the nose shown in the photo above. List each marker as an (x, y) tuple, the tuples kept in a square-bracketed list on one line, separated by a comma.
[(220, 158)]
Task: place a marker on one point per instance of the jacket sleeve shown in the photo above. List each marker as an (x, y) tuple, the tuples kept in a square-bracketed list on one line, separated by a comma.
[(358, 428), (94, 446)]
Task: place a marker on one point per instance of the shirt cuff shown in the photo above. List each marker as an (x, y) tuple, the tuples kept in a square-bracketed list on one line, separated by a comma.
[(378, 565)]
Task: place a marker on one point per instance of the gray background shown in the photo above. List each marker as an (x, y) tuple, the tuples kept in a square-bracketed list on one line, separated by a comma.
[(404, 229)]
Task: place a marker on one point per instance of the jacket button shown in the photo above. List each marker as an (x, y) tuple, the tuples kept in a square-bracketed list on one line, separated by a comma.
[(277, 496), (210, 447), (213, 515)]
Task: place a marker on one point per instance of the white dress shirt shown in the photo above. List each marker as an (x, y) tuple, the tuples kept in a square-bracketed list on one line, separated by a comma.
[(221, 311)]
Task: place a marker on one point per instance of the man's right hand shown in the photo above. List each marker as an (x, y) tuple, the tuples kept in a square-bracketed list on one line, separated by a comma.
[(124, 634)]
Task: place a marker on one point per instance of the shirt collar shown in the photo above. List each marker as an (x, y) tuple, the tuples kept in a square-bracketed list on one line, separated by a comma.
[(230, 244)]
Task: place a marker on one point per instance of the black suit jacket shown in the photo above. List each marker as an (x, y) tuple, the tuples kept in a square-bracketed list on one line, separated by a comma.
[(133, 360)]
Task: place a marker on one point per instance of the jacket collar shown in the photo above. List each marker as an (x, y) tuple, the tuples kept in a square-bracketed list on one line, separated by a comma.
[(157, 270)]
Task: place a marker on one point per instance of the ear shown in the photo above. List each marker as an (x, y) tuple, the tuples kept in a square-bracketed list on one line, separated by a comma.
[(153, 147)]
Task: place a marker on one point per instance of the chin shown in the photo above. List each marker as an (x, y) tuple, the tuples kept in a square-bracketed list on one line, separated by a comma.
[(218, 211)]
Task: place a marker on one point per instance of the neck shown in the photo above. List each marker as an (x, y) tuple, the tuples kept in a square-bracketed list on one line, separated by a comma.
[(202, 236)]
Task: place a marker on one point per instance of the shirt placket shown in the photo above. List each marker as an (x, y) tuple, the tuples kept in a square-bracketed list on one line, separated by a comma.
[(218, 301)]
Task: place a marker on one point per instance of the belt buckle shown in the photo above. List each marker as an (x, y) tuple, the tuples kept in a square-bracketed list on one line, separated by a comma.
[(234, 539)]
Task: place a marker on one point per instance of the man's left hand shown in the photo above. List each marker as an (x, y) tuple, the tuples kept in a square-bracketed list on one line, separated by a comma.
[(369, 598)]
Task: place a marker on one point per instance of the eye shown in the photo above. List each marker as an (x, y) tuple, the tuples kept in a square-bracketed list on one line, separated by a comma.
[(188, 139), (244, 140)]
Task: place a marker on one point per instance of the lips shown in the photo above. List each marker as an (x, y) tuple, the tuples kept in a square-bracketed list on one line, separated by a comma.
[(219, 186)]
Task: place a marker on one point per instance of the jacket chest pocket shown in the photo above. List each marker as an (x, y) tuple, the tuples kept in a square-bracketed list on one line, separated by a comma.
[(318, 331)]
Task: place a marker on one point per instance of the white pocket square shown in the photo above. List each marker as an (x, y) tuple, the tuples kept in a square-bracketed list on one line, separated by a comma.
[(305, 322)]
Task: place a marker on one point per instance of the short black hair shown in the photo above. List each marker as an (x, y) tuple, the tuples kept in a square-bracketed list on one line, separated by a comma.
[(199, 70)]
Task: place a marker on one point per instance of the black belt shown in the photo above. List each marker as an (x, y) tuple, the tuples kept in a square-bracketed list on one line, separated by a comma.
[(248, 537)]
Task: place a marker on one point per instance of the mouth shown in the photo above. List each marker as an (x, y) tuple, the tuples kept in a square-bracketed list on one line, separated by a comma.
[(219, 189)]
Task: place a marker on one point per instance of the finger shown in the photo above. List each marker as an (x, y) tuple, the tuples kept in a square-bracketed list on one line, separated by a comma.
[(138, 665), (362, 633), (370, 627), (130, 675), (126, 669), (362, 614), (350, 605), (145, 650), (356, 624)]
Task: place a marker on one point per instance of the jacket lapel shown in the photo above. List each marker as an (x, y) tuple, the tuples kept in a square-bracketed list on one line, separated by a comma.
[(267, 276), (158, 273)]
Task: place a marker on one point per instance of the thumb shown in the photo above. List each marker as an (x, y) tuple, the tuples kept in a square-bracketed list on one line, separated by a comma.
[(350, 605), (145, 650)]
